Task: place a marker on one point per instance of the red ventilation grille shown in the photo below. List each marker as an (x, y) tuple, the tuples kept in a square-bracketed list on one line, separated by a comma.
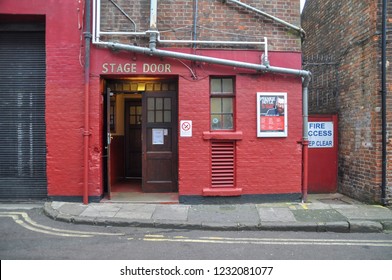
[(222, 164)]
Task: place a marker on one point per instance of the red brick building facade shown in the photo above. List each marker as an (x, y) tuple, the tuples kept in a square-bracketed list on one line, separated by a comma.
[(192, 118), (343, 50)]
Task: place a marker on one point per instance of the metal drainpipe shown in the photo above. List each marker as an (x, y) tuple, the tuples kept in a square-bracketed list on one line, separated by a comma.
[(195, 15), (153, 24), (383, 102), (86, 132), (305, 140)]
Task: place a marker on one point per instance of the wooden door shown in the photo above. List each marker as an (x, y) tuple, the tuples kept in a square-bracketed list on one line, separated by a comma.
[(160, 156), (133, 139)]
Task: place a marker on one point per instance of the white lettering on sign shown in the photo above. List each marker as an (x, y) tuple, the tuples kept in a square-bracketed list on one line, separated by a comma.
[(118, 68), (267, 100), (320, 134), (156, 68)]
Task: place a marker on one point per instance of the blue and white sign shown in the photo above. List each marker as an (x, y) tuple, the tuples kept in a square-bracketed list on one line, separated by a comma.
[(320, 134)]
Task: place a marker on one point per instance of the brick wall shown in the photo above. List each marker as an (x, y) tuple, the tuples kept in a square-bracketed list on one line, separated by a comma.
[(216, 20), (388, 94), (263, 165), (342, 49)]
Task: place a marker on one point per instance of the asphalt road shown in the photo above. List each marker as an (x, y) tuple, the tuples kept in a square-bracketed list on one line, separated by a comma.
[(27, 234)]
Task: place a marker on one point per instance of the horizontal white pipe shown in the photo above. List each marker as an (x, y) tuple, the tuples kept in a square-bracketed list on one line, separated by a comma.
[(211, 42), (123, 33), (212, 60)]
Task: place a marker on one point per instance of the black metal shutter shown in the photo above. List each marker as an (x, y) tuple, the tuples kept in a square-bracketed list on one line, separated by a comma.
[(22, 115)]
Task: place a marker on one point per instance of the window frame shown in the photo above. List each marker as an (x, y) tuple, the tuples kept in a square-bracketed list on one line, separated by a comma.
[(223, 95)]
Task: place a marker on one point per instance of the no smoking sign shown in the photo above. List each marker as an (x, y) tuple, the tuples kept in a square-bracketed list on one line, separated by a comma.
[(186, 128)]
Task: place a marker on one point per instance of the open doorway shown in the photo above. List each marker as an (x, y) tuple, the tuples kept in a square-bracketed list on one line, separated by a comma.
[(141, 158)]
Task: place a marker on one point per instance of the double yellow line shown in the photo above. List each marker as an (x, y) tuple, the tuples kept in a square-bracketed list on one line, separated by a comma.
[(270, 241), (23, 219)]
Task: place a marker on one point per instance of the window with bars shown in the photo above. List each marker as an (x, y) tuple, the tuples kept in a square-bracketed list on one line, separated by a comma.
[(222, 103)]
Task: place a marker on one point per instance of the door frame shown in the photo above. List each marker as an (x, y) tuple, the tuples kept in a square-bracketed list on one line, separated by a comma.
[(127, 103), (106, 143), (171, 86)]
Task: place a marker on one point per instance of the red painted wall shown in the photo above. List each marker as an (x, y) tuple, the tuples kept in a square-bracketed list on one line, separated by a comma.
[(65, 96), (263, 165)]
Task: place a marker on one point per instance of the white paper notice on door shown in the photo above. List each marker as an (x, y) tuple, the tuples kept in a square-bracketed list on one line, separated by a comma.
[(158, 136)]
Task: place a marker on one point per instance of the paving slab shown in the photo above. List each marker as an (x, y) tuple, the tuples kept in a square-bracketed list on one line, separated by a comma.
[(367, 212), (136, 211), (224, 213), (316, 206), (275, 214), (171, 212), (57, 204), (138, 207), (100, 211), (318, 215), (105, 207), (355, 207), (72, 209), (133, 215)]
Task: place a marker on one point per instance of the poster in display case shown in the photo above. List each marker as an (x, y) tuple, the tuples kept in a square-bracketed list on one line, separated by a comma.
[(271, 114)]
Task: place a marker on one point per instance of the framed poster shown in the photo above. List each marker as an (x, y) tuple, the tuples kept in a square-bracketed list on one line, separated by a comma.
[(271, 114)]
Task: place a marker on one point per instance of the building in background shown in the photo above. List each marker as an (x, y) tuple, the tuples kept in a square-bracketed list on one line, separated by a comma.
[(137, 97), (345, 52)]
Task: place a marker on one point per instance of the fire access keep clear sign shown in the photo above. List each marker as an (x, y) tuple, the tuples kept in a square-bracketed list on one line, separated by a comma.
[(320, 134)]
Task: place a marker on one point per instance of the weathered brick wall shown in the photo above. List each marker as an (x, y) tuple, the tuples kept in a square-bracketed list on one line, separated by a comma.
[(388, 92), (215, 20), (389, 101), (342, 49)]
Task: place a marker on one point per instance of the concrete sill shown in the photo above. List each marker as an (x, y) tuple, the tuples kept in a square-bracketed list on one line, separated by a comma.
[(222, 135)]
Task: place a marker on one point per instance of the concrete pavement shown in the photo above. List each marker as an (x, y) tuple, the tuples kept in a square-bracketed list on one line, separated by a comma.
[(322, 213)]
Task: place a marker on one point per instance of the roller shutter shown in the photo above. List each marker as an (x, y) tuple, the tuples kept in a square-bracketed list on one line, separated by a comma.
[(22, 115)]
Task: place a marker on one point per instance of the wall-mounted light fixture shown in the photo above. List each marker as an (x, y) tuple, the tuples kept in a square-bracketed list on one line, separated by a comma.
[(141, 87)]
